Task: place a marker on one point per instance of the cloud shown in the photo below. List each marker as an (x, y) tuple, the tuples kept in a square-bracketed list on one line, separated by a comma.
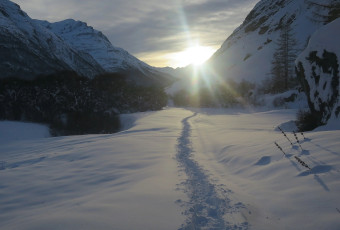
[(149, 27), (210, 22)]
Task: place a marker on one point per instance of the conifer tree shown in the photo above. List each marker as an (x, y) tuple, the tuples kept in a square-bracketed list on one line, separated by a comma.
[(283, 67)]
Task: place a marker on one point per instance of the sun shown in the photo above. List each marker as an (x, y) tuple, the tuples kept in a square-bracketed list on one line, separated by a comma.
[(198, 54), (194, 55)]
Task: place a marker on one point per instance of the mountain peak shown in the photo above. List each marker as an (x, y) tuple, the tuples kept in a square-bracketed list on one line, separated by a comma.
[(9, 9), (85, 38), (33, 47), (70, 25), (29, 49)]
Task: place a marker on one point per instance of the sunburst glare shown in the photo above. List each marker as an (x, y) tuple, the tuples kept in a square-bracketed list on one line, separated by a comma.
[(194, 55)]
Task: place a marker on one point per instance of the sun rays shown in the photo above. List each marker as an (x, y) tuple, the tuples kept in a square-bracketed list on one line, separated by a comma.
[(193, 55), (204, 87)]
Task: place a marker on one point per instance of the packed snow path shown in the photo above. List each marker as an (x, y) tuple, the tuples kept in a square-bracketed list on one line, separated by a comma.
[(207, 206)]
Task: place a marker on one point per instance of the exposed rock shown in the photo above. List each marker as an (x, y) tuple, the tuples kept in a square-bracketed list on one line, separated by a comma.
[(318, 70)]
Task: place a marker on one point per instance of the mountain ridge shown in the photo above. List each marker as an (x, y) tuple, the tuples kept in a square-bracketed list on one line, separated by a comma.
[(28, 49), (44, 48)]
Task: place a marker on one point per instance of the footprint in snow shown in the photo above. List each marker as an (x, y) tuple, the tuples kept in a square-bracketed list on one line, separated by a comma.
[(264, 161)]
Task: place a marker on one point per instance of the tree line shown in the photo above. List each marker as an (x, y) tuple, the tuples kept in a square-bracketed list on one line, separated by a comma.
[(72, 104)]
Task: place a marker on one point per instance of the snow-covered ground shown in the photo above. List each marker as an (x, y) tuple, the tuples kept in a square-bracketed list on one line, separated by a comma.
[(174, 169), (14, 131)]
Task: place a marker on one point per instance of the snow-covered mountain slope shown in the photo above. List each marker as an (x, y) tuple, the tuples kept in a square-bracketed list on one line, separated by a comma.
[(84, 38), (28, 49), (319, 70), (248, 52), (175, 169), (32, 47)]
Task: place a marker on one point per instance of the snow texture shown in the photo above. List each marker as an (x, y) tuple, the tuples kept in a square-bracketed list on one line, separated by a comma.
[(174, 169), (208, 203), (15, 131)]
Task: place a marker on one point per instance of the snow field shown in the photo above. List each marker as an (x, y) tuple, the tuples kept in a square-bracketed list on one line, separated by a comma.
[(10, 131), (239, 151), (121, 181), (175, 169)]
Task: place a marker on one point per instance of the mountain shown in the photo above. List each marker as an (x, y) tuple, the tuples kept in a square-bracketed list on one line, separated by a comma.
[(28, 49), (318, 67), (84, 38), (248, 52), (33, 47)]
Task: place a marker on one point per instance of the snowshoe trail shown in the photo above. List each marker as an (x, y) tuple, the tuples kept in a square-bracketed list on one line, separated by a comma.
[(208, 203)]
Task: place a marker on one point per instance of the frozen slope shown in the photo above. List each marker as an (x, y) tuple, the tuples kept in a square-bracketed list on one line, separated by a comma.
[(173, 169)]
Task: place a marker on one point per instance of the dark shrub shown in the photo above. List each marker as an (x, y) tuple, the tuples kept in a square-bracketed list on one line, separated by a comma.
[(306, 121), (77, 123)]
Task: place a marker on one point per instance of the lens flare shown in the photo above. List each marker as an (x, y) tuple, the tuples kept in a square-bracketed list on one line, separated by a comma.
[(202, 84), (194, 55)]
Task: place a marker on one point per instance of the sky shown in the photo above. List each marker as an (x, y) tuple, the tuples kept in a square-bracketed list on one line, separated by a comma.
[(160, 33)]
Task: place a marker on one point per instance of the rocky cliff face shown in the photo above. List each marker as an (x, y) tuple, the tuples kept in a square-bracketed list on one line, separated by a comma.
[(318, 68), (28, 49)]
